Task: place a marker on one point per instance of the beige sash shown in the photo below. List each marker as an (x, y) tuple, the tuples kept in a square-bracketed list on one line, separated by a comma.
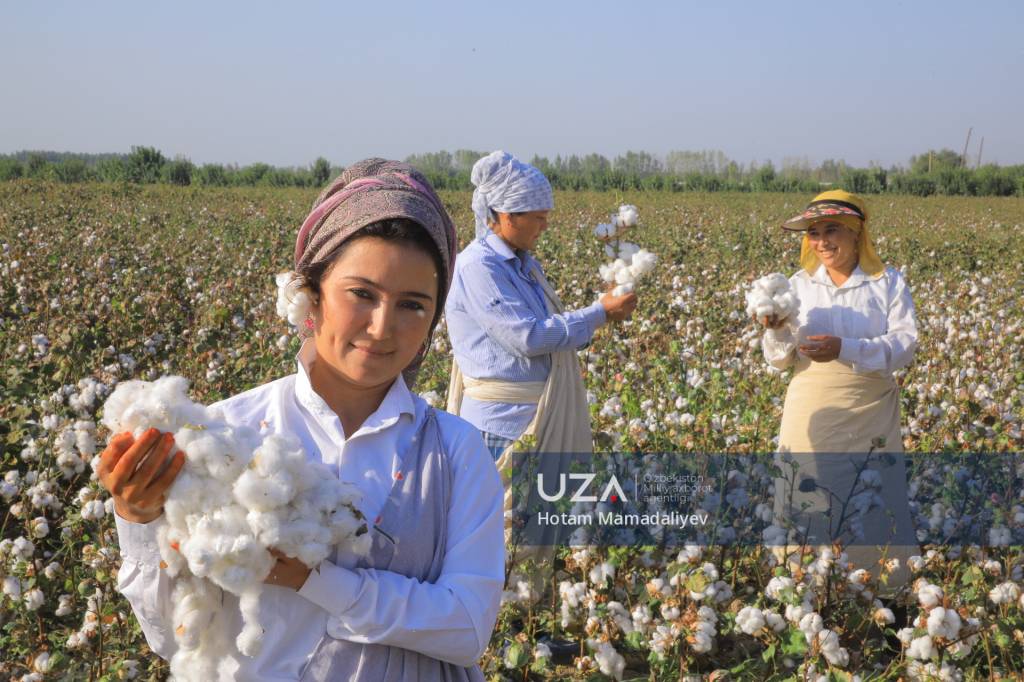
[(830, 408), (498, 391)]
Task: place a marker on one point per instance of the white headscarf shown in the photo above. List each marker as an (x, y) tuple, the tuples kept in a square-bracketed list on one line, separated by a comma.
[(506, 184)]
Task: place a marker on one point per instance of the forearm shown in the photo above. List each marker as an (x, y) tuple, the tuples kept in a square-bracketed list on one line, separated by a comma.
[(779, 346), (145, 585), (566, 331), (450, 620), (886, 353)]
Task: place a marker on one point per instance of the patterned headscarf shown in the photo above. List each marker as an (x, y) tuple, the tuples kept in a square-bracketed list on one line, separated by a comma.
[(506, 184), (370, 191)]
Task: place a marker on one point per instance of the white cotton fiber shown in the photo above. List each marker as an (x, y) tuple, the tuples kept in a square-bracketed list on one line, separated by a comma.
[(237, 495), (772, 295), (293, 300)]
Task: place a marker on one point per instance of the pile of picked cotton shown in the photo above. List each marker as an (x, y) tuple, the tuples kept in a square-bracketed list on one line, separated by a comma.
[(772, 295), (630, 262), (236, 496)]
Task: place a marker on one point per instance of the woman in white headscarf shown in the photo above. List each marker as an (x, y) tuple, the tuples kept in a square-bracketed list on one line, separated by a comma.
[(515, 370)]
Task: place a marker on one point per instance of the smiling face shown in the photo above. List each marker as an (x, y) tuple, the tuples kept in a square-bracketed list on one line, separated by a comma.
[(522, 230), (835, 245), (376, 305)]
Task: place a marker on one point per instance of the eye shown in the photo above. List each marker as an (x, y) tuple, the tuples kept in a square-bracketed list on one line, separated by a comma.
[(412, 305), (362, 293)]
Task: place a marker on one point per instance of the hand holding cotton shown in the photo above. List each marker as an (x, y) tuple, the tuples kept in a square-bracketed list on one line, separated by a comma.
[(772, 295), (237, 495)]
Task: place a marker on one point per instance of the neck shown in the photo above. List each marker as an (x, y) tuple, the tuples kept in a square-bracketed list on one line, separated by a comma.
[(352, 403), (840, 275)]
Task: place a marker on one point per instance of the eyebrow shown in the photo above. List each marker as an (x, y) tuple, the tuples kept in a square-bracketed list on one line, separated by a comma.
[(412, 294)]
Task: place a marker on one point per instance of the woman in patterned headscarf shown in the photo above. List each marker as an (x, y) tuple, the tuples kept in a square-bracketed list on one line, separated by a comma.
[(854, 329), (375, 258)]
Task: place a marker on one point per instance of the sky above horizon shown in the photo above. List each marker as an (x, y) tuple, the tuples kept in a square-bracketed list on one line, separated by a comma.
[(285, 83)]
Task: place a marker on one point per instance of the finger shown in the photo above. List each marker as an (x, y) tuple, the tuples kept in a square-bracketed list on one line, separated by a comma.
[(125, 467), (156, 460), (116, 447), (162, 482)]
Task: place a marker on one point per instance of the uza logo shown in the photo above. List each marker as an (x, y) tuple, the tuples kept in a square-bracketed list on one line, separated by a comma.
[(612, 490)]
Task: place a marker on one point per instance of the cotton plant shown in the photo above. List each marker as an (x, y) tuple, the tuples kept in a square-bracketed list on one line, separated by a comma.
[(237, 495), (629, 263), (772, 296)]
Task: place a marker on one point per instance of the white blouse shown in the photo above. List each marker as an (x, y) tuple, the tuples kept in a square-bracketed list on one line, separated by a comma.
[(451, 619), (874, 317)]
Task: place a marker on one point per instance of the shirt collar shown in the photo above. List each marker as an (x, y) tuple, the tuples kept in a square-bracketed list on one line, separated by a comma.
[(397, 401), (856, 278), (500, 246)]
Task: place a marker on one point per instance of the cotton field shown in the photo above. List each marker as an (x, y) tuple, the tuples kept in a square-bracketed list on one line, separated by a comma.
[(100, 285)]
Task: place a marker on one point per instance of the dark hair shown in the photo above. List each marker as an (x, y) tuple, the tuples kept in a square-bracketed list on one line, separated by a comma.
[(399, 230)]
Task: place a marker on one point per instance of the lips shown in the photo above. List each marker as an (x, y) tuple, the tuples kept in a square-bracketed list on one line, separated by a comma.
[(372, 351)]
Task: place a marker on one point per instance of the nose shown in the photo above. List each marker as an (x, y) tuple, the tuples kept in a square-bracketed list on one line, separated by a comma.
[(382, 321)]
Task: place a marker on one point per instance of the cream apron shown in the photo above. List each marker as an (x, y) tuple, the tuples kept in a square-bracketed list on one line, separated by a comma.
[(831, 410)]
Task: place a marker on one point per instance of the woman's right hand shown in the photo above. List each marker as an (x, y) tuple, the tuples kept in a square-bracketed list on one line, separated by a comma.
[(139, 492), (769, 321), (618, 308)]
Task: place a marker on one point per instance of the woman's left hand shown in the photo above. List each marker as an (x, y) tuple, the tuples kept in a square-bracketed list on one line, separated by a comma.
[(824, 349), (288, 571)]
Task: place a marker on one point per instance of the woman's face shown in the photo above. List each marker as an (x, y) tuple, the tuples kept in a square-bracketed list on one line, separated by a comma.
[(835, 245), (376, 304), (522, 230)]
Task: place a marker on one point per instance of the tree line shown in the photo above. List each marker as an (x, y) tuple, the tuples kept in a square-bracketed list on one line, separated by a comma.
[(941, 172)]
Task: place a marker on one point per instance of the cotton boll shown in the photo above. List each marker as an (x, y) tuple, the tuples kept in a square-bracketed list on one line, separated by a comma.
[(623, 289), (772, 295), (628, 215), (293, 300)]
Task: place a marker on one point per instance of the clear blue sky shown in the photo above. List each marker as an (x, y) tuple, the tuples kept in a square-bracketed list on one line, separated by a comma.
[(287, 82)]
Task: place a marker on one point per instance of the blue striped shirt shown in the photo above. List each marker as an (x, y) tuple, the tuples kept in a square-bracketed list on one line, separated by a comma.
[(500, 328)]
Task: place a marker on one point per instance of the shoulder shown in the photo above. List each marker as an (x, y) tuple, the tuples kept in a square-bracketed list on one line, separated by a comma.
[(253, 405), (892, 279), (478, 257), (465, 448)]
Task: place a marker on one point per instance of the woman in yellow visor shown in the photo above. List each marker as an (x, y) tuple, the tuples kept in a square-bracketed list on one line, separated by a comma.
[(854, 329)]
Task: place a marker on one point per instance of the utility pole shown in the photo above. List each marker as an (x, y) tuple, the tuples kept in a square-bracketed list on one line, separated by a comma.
[(963, 157), (981, 148)]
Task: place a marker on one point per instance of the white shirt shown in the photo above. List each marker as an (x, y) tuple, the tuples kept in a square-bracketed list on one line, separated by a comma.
[(874, 317), (451, 619)]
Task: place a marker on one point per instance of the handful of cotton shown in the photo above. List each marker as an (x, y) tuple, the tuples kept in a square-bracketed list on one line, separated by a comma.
[(237, 495), (772, 295)]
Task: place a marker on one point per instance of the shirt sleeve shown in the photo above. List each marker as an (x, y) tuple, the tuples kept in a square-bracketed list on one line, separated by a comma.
[(494, 302), (452, 618), (779, 346), (894, 349), (145, 585)]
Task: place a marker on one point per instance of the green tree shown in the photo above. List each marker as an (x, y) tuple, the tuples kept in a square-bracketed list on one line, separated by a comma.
[(144, 165), (10, 169), (71, 170), (178, 172), (321, 171)]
